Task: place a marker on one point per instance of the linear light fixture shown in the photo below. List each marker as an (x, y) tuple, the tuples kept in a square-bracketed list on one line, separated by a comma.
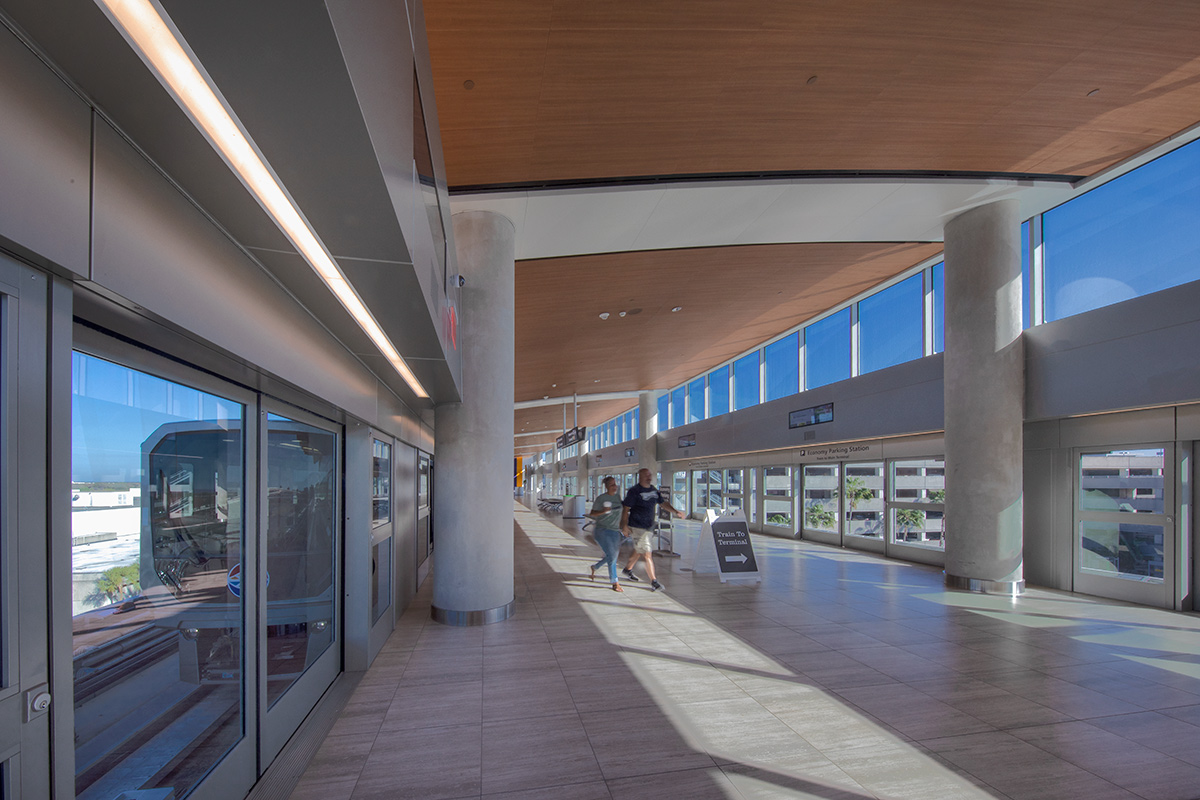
[(147, 29)]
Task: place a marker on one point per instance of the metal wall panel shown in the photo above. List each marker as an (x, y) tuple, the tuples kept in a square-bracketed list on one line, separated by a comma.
[(404, 514), (45, 162), (154, 248), (1078, 365)]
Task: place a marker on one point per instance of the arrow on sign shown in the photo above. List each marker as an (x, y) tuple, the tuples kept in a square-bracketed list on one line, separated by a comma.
[(739, 557)]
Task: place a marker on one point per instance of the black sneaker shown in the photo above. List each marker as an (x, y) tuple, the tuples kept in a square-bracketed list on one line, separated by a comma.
[(628, 573), (655, 586)]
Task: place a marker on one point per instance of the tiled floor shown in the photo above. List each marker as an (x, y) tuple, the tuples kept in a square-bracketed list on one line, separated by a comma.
[(840, 676)]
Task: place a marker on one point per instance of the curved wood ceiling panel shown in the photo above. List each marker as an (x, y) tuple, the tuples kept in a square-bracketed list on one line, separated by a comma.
[(732, 298), (566, 90)]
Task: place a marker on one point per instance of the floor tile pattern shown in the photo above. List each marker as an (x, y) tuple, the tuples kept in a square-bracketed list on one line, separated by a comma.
[(839, 676)]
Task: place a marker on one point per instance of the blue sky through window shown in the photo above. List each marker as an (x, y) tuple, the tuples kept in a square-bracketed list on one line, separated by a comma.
[(745, 381), (782, 367), (827, 350), (890, 325), (1129, 237)]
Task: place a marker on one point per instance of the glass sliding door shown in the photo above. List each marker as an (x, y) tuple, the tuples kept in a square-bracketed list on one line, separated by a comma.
[(777, 500), (679, 491), (917, 502), (382, 538), (733, 498), (821, 510), (300, 622), (160, 563), (1125, 533), (862, 500)]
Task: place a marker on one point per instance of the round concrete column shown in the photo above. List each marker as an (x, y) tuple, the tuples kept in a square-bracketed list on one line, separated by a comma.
[(984, 400), (473, 562), (647, 428), (581, 473)]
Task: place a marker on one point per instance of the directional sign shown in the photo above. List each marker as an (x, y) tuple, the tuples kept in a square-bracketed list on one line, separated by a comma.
[(735, 553)]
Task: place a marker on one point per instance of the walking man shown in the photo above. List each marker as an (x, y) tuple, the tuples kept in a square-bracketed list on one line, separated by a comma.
[(637, 520)]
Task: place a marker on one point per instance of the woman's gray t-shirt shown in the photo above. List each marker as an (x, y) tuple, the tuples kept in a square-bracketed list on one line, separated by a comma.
[(610, 503)]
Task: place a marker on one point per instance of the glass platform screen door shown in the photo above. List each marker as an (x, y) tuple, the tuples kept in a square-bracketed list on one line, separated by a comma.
[(382, 542), (300, 622), (1125, 535)]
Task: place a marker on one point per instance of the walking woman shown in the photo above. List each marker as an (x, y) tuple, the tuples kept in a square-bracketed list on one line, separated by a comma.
[(607, 511)]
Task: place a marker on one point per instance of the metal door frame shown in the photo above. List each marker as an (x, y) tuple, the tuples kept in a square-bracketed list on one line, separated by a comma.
[(237, 771), (25, 745), (1160, 595)]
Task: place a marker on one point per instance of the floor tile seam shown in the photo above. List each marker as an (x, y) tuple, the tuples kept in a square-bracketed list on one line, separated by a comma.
[(997, 688), (1095, 775), (862, 792), (1088, 722)]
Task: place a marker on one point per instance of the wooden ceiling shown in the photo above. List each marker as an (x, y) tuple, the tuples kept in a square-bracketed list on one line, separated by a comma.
[(563, 90), (567, 90), (730, 299)]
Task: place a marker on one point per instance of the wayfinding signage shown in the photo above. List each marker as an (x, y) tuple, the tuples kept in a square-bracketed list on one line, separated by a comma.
[(841, 452), (725, 547), (814, 415), (735, 553), (571, 437)]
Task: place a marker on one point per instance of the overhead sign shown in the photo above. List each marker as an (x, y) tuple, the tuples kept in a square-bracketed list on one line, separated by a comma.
[(841, 452), (630, 452), (814, 415), (687, 440), (572, 436)]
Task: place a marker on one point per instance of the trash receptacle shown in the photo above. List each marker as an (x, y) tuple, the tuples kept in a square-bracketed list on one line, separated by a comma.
[(574, 507)]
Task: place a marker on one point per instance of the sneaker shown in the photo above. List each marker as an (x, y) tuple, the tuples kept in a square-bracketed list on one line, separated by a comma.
[(655, 586), (628, 573)]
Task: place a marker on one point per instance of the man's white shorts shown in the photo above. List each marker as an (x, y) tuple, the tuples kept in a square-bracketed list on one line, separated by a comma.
[(641, 540)]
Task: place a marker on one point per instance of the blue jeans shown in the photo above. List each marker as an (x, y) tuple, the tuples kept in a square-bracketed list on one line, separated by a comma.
[(610, 542)]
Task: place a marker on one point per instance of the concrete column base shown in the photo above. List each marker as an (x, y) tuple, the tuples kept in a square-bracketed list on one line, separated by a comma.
[(465, 619), (1006, 588)]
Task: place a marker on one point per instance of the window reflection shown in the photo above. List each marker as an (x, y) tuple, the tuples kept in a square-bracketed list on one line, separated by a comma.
[(821, 497), (301, 509), (864, 499), (156, 531)]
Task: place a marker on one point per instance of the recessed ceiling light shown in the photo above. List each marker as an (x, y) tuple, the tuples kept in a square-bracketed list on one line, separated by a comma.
[(1093, 92), (554, 386), (811, 80), (676, 308), (621, 314), (468, 85), (603, 315)]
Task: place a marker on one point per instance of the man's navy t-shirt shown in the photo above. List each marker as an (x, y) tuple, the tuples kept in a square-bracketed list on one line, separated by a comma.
[(641, 501)]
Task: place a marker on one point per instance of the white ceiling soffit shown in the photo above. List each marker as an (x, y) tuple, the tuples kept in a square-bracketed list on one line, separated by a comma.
[(567, 222)]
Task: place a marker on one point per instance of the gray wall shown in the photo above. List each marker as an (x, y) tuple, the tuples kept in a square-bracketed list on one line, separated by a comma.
[(80, 200)]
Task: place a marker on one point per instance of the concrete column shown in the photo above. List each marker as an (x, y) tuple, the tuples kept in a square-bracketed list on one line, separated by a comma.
[(555, 472), (984, 400), (581, 472), (648, 428), (473, 563)]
